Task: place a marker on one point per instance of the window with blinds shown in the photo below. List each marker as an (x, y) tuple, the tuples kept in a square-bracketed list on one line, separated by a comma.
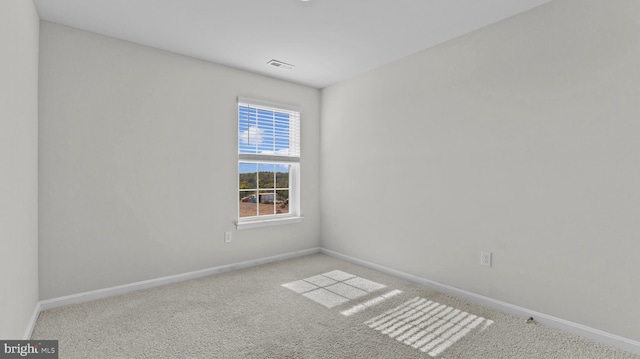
[(268, 161)]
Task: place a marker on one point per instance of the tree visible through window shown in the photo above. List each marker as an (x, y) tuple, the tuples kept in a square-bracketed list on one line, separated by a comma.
[(268, 160)]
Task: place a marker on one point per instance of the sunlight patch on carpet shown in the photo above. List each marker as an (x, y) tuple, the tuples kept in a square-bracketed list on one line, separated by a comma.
[(334, 288), (370, 303), (426, 325)]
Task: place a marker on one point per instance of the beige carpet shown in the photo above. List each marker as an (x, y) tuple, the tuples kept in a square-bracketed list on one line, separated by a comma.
[(310, 307)]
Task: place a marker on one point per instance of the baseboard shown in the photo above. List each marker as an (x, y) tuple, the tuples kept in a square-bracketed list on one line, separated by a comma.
[(551, 321), (32, 322), (122, 289)]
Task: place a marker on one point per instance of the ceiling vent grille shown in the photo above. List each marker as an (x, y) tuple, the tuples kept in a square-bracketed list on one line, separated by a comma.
[(280, 64)]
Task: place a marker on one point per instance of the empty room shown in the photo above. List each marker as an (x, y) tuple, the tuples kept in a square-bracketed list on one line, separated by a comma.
[(320, 179)]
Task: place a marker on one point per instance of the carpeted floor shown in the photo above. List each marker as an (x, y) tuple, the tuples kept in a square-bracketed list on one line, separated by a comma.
[(309, 307)]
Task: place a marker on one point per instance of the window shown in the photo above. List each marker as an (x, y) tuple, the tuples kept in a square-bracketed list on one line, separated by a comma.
[(268, 163)]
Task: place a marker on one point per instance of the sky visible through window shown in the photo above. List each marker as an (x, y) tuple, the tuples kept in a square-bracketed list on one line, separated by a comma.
[(251, 168), (262, 132)]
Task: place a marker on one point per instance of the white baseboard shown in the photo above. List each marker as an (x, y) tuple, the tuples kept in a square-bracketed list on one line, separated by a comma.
[(32, 322), (551, 321), (122, 289)]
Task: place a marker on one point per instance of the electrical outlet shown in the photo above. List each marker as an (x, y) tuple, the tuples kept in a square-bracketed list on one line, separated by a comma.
[(227, 237), (485, 258)]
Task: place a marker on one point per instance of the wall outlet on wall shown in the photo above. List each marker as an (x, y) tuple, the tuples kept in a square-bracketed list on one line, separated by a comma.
[(227, 237), (485, 258)]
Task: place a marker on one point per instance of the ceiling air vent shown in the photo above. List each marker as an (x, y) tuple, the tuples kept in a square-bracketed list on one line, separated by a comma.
[(280, 64)]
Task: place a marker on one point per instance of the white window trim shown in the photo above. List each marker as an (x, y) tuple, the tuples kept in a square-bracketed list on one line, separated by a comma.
[(252, 101), (295, 215), (268, 222)]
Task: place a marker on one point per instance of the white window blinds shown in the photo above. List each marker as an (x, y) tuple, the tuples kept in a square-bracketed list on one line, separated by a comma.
[(268, 132)]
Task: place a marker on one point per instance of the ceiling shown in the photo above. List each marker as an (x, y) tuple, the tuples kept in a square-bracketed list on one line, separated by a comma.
[(327, 40)]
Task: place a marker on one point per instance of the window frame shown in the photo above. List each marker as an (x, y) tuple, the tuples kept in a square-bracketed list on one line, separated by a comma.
[(292, 160)]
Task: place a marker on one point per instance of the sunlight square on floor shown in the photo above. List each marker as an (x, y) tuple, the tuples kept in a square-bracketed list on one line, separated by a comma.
[(333, 288), (300, 286), (325, 297)]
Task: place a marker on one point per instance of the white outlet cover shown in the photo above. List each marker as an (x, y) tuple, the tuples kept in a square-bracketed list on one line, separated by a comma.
[(485, 258)]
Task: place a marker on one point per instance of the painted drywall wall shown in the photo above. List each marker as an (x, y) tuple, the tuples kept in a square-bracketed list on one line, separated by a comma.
[(19, 25), (520, 139), (138, 164)]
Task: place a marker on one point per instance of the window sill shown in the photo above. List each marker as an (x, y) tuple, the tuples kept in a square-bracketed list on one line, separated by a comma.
[(268, 222)]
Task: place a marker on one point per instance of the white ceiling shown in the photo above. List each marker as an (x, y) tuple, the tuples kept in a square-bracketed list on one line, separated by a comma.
[(327, 40)]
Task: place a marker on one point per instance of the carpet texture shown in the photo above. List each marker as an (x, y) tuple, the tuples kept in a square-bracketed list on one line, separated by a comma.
[(310, 307)]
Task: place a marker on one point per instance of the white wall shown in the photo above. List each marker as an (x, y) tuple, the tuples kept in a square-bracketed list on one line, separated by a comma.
[(522, 139), (138, 164), (18, 166)]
